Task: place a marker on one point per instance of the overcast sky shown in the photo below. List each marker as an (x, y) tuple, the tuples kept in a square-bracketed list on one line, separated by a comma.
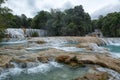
[(93, 7)]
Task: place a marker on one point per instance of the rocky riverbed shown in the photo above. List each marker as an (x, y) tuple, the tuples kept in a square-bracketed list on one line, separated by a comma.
[(71, 51)]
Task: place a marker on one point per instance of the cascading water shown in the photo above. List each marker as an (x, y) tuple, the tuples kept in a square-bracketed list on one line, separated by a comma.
[(15, 33), (51, 70), (18, 35), (112, 41), (46, 71), (115, 75), (40, 32), (22, 33), (113, 44)]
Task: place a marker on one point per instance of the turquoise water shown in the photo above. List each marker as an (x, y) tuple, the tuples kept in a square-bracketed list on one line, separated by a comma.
[(64, 73), (113, 48)]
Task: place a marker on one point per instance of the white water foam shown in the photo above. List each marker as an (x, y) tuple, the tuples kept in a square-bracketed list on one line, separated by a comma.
[(22, 33), (36, 48), (112, 41), (15, 33), (115, 75), (13, 42), (70, 49), (115, 55), (41, 68)]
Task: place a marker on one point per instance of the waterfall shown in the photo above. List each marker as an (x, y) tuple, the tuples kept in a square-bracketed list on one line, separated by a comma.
[(15, 33), (112, 41), (40, 32), (22, 33)]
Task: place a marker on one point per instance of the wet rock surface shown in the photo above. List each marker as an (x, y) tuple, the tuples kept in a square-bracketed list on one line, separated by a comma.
[(43, 59), (95, 40), (71, 61), (103, 60), (5, 61), (23, 57), (94, 76), (41, 42)]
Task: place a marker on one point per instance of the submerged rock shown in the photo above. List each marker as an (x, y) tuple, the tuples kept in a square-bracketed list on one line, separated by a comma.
[(23, 65)]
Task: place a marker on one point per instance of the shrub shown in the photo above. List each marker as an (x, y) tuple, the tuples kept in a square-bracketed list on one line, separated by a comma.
[(2, 33), (35, 34)]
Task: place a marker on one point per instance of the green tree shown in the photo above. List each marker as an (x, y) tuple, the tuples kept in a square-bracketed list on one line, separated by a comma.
[(4, 11), (56, 22), (111, 25), (39, 21), (70, 22), (16, 21), (80, 19)]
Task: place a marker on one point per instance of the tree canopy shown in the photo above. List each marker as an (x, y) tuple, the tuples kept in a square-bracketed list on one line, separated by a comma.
[(110, 24), (4, 11), (70, 22)]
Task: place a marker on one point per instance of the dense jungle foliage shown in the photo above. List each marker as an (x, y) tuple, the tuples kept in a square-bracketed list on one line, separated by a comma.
[(70, 22)]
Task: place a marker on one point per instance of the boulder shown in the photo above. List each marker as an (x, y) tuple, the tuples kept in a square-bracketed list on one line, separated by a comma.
[(63, 59), (85, 45), (94, 76), (95, 40), (22, 60), (71, 61), (100, 59), (43, 59), (5, 61), (92, 47), (41, 42)]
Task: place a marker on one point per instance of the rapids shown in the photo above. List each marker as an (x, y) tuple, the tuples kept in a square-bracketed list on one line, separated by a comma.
[(53, 70)]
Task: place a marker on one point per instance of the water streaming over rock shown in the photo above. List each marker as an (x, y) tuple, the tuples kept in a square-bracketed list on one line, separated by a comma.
[(22, 33), (54, 42), (112, 41), (17, 70), (114, 75), (113, 45)]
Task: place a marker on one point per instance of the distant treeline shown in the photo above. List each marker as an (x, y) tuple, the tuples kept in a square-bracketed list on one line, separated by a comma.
[(70, 22), (110, 24)]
